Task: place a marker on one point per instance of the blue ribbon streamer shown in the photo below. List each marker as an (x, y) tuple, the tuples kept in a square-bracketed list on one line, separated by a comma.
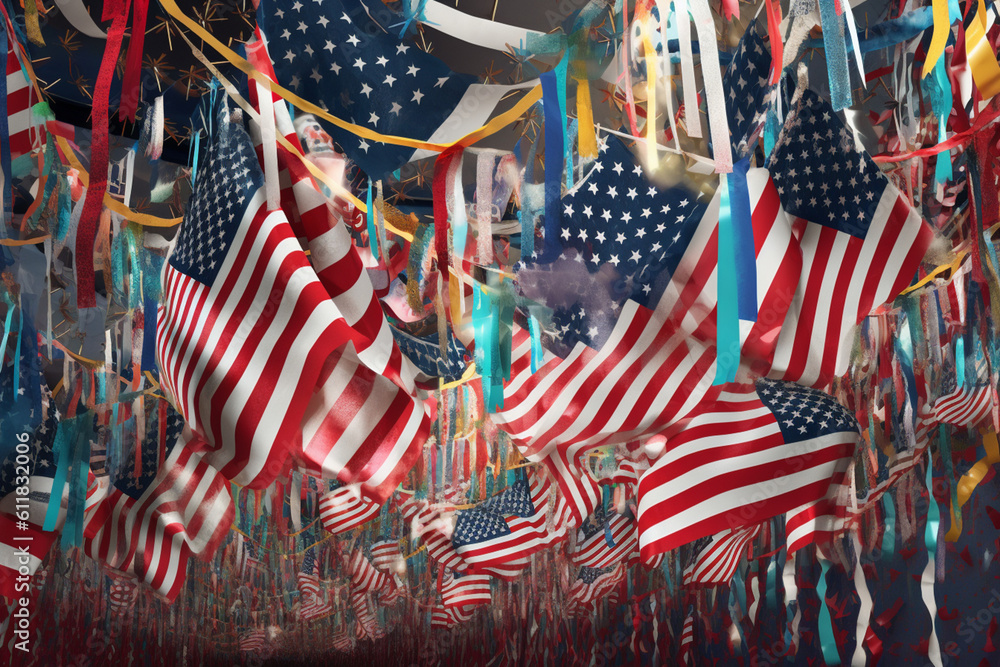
[(554, 155), (836, 55), (148, 362), (746, 259), (727, 318), (889, 536), (17, 352), (62, 448), (827, 642), (370, 219)]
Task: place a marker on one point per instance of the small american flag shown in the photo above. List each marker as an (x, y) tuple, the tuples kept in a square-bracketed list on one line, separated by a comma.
[(747, 88), (757, 450), (716, 562), (963, 406), (122, 593), (254, 641), (345, 508), (591, 585), (461, 590), (311, 604), (449, 617), (433, 526), (503, 530), (603, 542), (364, 611), (365, 578), (20, 98), (687, 640), (385, 554), (150, 524)]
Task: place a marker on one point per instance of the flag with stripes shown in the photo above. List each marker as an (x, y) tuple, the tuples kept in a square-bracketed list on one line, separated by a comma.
[(364, 612), (432, 525), (386, 555), (716, 562), (345, 508), (603, 541), (860, 240), (364, 425), (254, 641), (634, 303), (448, 617), (461, 590), (122, 593), (152, 522), (963, 405), (755, 451), (686, 650), (365, 578), (591, 585), (504, 530), (20, 98), (311, 603)]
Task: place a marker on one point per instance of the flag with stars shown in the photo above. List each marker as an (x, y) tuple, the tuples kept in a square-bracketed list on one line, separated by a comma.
[(425, 353), (861, 242), (748, 89), (311, 603), (603, 542), (591, 585), (464, 590), (245, 329), (755, 451), (504, 530), (152, 522), (348, 57), (634, 300)]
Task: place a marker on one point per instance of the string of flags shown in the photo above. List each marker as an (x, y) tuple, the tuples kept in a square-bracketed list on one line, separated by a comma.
[(673, 347)]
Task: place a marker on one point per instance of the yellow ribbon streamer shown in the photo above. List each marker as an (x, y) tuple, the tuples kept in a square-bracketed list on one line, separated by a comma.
[(982, 60), (652, 159), (939, 38), (970, 480), (585, 120), (952, 267), (19, 242), (492, 127)]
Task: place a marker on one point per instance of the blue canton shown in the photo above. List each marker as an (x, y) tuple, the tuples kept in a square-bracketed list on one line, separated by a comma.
[(344, 55), (589, 575), (425, 353), (803, 413), (127, 482), (227, 181), (625, 237), (487, 520), (819, 172), (747, 89)]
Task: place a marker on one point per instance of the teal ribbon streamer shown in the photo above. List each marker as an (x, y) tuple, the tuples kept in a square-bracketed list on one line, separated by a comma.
[(72, 534), (835, 49), (483, 330), (536, 343), (17, 353), (940, 94), (827, 642), (933, 515), (727, 318), (370, 217), (6, 327), (194, 160), (960, 361), (746, 256), (771, 591), (889, 535), (63, 450)]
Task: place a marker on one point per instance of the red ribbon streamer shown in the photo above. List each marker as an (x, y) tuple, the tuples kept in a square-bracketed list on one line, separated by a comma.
[(131, 87), (86, 232)]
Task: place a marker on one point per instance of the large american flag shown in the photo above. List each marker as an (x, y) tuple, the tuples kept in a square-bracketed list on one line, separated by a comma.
[(311, 603), (716, 562), (757, 450), (363, 425), (151, 523), (245, 326), (860, 240), (344, 55), (504, 530), (461, 590)]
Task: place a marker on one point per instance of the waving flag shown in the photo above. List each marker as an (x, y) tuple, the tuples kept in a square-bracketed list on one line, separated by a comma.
[(716, 562), (860, 240), (385, 554), (152, 523), (20, 98), (963, 405), (346, 55), (463, 590), (503, 530), (591, 585), (432, 525), (365, 578), (448, 617), (364, 612), (345, 508), (604, 542), (311, 604), (756, 451), (747, 88)]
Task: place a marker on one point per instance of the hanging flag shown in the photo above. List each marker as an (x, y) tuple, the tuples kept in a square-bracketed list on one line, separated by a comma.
[(449, 617), (385, 555), (311, 603), (603, 542), (591, 585), (465, 590), (345, 508), (716, 561)]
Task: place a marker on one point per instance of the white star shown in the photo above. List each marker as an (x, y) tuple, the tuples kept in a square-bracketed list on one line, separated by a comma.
[(620, 238), (614, 260), (335, 68), (366, 90), (297, 6), (309, 49), (360, 64), (632, 193), (330, 46), (364, 146), (612, 191), (345, 17), (382, 60), (606, 215), (412, 70), (441, 81), (289, 56), (395, 109), (568, 209), (285, 34), (316, 75), (303, 27), (417, 96), (618, 168), (373, 119), (588, 212), (353, 40), (402, 48), (599, 237), (389, 80), (565, 233), (582, 234), (323, 21)]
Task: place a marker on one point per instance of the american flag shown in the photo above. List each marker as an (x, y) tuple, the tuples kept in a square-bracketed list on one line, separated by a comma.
[(343, 641), (449, 617), (364, 612), (860, 240), (433, 526), (364, 425), (311, 604), (757, 450), (603, 541), (345, 55), (122, 593), (460, 590), (716, 562), (634, 305), (245, 327), (425, 353), (21, 97), (504, 530), (393, 591), (747, 88), (150, 524), (591, 585), (345, 508), (365, 578), (963, 406), (254, 641), (686, 653), (385, 554)]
